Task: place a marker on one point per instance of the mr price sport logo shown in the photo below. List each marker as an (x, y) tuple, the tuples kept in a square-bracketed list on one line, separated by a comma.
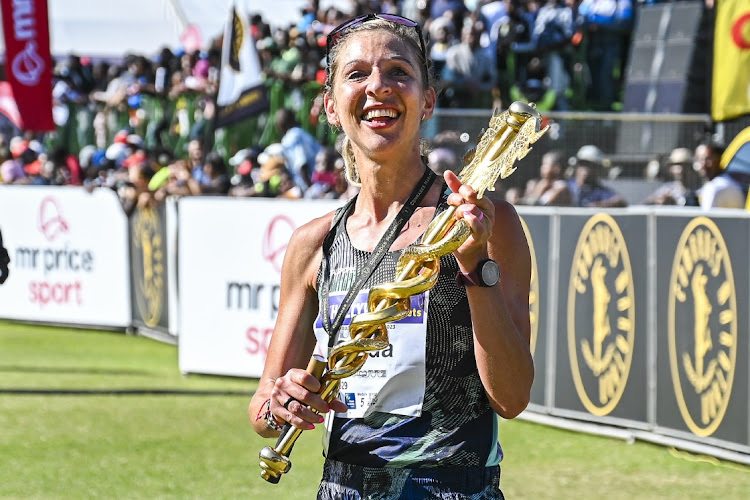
[(54, 260), (601, 315), (702, 326)]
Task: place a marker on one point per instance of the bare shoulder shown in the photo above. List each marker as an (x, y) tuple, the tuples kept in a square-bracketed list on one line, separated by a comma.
[(309, 237), (304, 252)]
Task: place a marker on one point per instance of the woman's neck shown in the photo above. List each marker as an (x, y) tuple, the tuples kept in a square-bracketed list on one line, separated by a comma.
[(385, 188)]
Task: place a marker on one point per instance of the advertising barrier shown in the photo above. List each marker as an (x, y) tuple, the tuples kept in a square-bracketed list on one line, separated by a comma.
[(702, 317), (648, 332), (69, 256), (151, 264), (230, 257), (639, 317), (602, 311)]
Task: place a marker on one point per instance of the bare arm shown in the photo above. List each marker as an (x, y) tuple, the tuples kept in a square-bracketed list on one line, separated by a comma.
[(500, 314), (293, 341)]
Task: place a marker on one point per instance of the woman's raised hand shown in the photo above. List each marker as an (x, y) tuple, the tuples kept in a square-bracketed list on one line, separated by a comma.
[(479, 214)]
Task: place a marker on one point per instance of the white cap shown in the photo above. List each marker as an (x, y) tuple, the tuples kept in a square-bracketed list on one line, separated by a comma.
[(275, 149), (590, 154)]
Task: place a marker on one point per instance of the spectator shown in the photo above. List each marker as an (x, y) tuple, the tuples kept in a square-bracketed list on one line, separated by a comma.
[(4, 261), (720, 189), (442, 37), (470, 73), (534, 89), (11, 169), (442, 159), (195, 161), (586, 187), (216, 177), (246, 162), (514, 28), (326, 174), (275, 181), (550, 188), (606, 24), (453, 9), (553, 31), (300, 148), (513, 195), (135, 193), (681, 189)]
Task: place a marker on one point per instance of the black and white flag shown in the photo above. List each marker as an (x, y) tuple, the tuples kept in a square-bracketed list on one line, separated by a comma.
[(241, 90)]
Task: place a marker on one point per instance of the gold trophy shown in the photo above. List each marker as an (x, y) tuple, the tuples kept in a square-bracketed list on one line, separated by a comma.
[(507, 139)]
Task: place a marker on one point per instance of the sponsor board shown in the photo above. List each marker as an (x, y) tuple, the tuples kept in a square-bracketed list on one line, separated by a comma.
[(601, 358), (229, 279), (703, 362), (69, 256)]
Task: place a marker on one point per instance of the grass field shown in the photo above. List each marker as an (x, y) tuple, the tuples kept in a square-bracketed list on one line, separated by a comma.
[(137, 443)]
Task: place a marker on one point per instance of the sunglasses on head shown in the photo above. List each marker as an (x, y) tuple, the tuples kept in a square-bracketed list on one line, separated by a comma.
[(333, 37)]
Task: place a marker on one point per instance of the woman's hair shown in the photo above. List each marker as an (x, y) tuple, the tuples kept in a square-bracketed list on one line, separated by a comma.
[(424, 66)]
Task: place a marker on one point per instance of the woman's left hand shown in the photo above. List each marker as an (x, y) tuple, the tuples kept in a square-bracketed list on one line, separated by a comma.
[(479, 214)]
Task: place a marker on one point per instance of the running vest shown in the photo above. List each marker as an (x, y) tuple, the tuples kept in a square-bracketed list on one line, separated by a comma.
[(456, 425)]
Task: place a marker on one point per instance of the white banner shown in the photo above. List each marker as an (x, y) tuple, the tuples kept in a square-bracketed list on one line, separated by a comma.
[(69, 256), (231, 253)]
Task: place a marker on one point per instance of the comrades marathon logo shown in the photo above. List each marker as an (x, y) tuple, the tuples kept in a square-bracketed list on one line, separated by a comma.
[(149, 265), (702, 326), (533, 290), (237, 37), (601, 315)]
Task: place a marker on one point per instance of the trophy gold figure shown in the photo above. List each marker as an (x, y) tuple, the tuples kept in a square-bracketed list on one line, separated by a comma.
[(507, 139)]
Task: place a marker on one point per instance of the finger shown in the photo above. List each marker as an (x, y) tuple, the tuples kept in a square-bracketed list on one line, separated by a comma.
[(467, 193), (338, 406), (300, 415), (452, 181), (303, 387)]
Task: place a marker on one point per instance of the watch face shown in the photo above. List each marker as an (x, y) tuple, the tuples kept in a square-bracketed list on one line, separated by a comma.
[(489, 273)]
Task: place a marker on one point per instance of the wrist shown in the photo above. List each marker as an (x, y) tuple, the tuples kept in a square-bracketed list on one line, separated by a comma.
[(269, 418), (468, 264), (486, 274)]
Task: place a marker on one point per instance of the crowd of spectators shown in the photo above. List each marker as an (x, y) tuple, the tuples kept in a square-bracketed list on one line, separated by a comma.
[(144, 126), (685, 178)]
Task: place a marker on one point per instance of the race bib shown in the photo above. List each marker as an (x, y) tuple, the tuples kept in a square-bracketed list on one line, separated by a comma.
[(392, 380)]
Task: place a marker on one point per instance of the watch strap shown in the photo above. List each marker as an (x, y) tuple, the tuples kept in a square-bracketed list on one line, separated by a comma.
[(476, 278)]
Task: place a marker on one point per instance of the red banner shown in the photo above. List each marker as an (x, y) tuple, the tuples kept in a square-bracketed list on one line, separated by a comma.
[(28, 65)]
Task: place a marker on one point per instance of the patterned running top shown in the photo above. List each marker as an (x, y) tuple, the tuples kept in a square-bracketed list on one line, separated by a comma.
[(457, 426)]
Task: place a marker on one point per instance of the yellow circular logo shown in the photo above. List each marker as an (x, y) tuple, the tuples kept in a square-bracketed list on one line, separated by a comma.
[(533, 290), (702, 326), (601, 315), (148, 265)]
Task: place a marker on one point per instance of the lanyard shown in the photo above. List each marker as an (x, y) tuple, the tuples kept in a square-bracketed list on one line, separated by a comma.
[(415, 198)]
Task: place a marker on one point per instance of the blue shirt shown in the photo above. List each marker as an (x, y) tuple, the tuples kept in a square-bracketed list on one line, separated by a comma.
[(300, 150)]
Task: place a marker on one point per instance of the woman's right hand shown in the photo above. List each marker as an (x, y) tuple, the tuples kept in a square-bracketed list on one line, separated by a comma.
[(294, 394)]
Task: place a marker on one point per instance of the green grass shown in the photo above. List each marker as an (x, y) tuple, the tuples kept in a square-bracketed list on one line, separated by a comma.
[(201, 446)]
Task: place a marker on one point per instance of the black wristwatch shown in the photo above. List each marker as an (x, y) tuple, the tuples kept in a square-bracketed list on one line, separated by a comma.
[(486, 274)]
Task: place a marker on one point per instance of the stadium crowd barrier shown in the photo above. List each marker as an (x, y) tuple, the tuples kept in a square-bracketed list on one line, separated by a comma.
[(640, 324)]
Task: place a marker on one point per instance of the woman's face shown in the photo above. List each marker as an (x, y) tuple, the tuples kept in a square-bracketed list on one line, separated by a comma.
[(377, 95)]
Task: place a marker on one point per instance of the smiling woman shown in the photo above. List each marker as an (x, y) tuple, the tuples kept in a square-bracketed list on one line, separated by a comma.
[(420, 419)]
